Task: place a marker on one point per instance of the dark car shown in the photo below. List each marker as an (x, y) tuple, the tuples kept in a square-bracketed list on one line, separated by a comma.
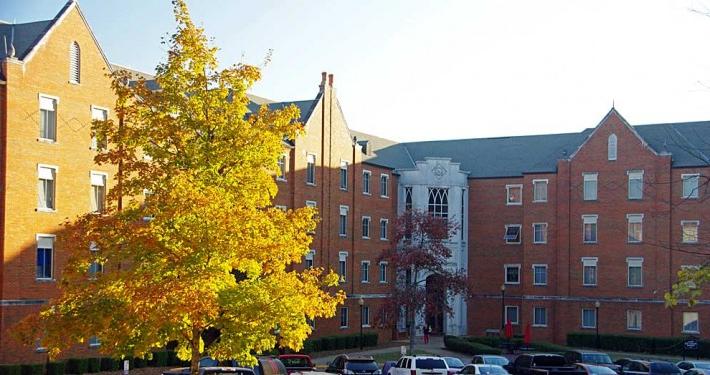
[(533, 364), (595, 370), (486, 359), (650, 368), (297, 362), (386, 366), (591, 358), (354, 364), (684, 366)]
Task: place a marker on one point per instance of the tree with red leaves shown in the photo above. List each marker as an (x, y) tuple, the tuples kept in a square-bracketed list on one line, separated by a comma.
[(419, 255)]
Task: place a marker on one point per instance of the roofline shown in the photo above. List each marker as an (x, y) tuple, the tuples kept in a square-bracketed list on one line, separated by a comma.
[(379, 165)]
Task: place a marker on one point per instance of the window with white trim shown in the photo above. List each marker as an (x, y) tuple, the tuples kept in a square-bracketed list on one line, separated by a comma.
[(611, 147), (539, 233), (635, 226), (95, 267), (311, 169), (439, 202), (366, 227), (365, 316), (48, 118), (589, 271), (635, 184), (45, 257), (283, 167), (383, 272), (343, 222), (365, 271), (512, 234), (633, 320), (366, 177), (343, 317), (343, 175), (281, 207), (689, 230), (512, 314), (589, 318), (384, 185), (74, 63), (98, 114), (383, 229), (539, 317), (46, 175), (408, 198), (691, 322), (343, 265), (310, 255), (94, 342), (590, 186), (514, 195), (512, 273), (539, 191), (690, 185), (635, 272), (312, 204), (589, 234), (539, 274), (98, 192)]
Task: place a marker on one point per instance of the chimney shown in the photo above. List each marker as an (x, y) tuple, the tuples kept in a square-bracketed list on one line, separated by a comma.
[(322, 81), (330, 80)]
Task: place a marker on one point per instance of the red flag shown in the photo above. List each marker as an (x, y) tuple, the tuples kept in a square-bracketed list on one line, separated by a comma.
[(527, 335), (509, 329)]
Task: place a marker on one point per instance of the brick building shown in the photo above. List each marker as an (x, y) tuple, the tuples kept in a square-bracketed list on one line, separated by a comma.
[(561, 221)]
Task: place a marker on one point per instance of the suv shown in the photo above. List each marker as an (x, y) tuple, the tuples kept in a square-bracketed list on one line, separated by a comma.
[(297, 362), (591, 358), (650, 367), (424, 365), (354, 365)]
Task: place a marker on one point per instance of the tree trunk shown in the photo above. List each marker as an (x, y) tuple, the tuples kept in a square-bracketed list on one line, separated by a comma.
[(195, 352)]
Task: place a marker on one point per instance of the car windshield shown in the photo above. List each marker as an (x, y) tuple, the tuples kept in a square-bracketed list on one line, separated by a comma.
[(361, 366), (702, 365), (601, 370), (549, 360), (596, 358), (500, 361), (664, 368), (208, 362), (453, 362), (430, 363), (295, 362), (492, 370)]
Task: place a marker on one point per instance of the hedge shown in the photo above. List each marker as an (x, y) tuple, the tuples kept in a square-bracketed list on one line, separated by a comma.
[(339, 342), (94, 365), (160, 359), (10, 370), (55, 368), (462, 345), (77, 365), (110, 364), (34, 369), (635, 344)]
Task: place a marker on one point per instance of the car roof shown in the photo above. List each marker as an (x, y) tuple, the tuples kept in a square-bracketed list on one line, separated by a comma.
[(358, 357)]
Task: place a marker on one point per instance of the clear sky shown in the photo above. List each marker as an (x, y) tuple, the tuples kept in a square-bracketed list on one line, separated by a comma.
[(424, 70)]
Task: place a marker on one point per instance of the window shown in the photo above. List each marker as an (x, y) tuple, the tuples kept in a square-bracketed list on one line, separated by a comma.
[(365, 271), (590, 228), (98, 192), (690, 185), (540, 317), (690, 230), (611, 147), (512, 234), (635, 272), (589, 318), (309, 258), (343, 317), (511, 314), (46, 187), (311, 169), (590, 186), (342, 265), (281, 207), (343, 175), (690, 322), (95, 267), (48, 118), (383, 272), (282, 168), (366, 227), (539, 190), (366, 175), (589, 271), (343, 227), (383, 229), (539, 274), (45, 250), (539, 232), (312, 204), (635, 224), (366, 316), (384, 188), (633, 320), (94, 342), (74, 63), (635, 184), (408, 198), (439, 202), (514, 194), (512, 273), (98, 142)]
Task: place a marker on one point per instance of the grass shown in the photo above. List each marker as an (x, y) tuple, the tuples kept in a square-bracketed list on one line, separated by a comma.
[(393, 356)]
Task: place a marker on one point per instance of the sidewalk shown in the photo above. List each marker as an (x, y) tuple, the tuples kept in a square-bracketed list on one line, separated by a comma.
[(435, 346)]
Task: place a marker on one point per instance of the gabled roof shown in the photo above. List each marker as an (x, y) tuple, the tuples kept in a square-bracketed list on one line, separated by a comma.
[(26, 36), (305, 106)]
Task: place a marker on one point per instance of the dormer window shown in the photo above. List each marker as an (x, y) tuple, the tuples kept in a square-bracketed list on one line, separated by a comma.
[(611, 147), (74, 63)]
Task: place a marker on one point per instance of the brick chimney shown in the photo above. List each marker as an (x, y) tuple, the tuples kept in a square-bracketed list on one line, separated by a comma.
[(324, 75)]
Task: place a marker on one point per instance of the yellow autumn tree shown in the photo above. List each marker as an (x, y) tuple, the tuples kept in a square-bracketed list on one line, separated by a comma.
[(189, 241)]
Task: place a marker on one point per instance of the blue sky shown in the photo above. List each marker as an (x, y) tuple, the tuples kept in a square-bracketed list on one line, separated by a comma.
[(418, 70)]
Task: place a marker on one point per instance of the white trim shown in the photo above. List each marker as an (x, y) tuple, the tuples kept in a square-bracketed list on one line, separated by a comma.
[(369, 229), (362, 263), (697, 230), (285, 172), (98, 173), (636, 262), (379, 271), (520, 234), (539, 242), (590, 262), (53, 97), (387, 191), (682, 187), (507, 194), (344, 164), (386, 237), (505, 273), (595, 318), (634, 174), (37, 240), (682, 328), (344, 210), (628, 327), (590, 219), (616, 147), (546, 317), (315, 168), (546, 273), (312, 204), (634, 219), (517, 314), (547, 184), (590, 177), (369, 182)]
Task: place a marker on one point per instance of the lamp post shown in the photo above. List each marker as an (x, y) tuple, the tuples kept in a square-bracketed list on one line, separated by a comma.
[(361, 302), (502, 307), (596, 317)]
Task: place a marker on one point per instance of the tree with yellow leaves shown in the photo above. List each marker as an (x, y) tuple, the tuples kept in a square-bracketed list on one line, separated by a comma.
[(191, 242)]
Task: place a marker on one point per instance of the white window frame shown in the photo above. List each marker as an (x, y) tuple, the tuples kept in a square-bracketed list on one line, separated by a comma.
[(520, 234), (534, 267), (104, 175), (281, 207), (367, 185), (312, 204), (383, 233), (635, 174), (544, 182), (383, 266), (590, 219), (94, 140), (344, 313), (590, 262), (635, 262), (310, 155), (634, 219), (386, 186), (535, 323), (343, 173), (629, 314), (505, 274), (510, 187), (56, 117), (283, 169), (544, 241), (594, 311), (343, 229), (590, 177), (55, 173), (517, 314), (612, 144), (343, 266), (697, 230), (695, 193), (365, 316), (362, 227), (697, 319), (94, 342), (74, 52), (310, 257), (53, 238), (365, 272)]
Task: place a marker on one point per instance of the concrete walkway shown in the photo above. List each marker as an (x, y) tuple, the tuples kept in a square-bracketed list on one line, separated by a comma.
[(435, 346)]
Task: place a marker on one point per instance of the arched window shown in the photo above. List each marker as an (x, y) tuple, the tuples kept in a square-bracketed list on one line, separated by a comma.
[(611, 147), (439, 202), (74, 63)]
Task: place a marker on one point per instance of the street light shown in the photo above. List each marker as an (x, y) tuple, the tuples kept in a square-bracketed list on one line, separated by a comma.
[(596, 318), (502, 307), (361, 302)]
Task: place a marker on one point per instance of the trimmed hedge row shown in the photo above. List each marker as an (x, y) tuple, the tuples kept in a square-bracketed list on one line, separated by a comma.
[(339, 342), (92, 365), (496, 342), (635, 344), (462, 345)]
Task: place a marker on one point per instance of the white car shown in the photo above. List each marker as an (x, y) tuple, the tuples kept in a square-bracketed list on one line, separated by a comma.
[(420, 365), (483, 370)]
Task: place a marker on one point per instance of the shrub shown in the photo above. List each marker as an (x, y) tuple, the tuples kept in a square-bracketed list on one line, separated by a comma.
[(548, 347), (371, 339), (173, 360), (160, 359), (139, 362), (10, 370), (635, 344), (462, 345), (94, 365), (329, 343), (110, 364), (56, 368), (486, 340), (34, 369), (77, 366)]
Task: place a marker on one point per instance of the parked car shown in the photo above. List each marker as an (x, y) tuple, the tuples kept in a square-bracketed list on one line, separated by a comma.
[(635, 367), (453, 364), (386, 366), (483, 370), (687, 365), (490, 360), (420, 365), (595, 369), (697, 371), (269, 366), (211, 370), (591, 358), (622, 361), (297, 362), (532, 364), (354, 364)]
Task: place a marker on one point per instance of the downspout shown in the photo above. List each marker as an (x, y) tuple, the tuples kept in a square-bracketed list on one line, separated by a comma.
[(352, 237), (670, 245), (325, 218), (3, 168)]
